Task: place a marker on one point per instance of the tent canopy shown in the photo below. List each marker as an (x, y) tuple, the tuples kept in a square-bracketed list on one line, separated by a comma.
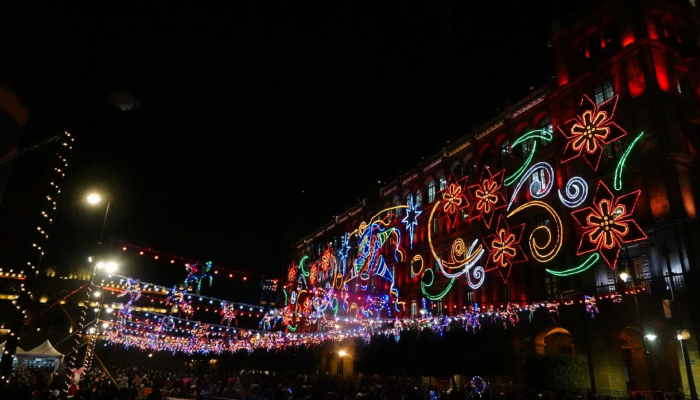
[(45, 349)]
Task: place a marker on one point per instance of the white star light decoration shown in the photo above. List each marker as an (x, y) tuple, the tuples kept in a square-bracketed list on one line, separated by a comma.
[(344, 250), (411, 218)]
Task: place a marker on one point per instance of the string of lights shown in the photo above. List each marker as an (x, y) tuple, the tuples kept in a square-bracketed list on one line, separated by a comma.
[(38, 249)]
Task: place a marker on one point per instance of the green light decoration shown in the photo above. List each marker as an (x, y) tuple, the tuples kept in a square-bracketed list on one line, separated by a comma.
[(516, 175), (434, 297), (536, 134), (294, 329), (285, 296), (621, 163), (335, 306), (592, 259), (301, 266)]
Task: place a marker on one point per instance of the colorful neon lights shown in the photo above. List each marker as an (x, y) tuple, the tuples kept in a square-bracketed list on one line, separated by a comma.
[(534, 247), (424, 286), (590, 261), (509, 180), (504, 248), (576, 192), (589, 132), (487, 194), (617, 184), (301, 266), (536, 189), (608, 224), (536, 134), (411, 218)]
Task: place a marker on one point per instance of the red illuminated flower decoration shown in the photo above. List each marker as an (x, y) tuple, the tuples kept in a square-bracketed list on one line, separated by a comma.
[(487, 196), (504, 248), (608, 224), (589, 131), (292, 272), (453, 199)]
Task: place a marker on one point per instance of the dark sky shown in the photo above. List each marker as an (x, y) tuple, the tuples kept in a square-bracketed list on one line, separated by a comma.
[(258, 118)]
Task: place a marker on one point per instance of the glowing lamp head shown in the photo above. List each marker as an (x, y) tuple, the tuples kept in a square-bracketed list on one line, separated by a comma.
[(624, 276), (97, 294), (650, 337), (342, 353), (94, 198), (111, 267)]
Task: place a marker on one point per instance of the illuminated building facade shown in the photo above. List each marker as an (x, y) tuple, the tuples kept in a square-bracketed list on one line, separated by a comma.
[(590, 179)]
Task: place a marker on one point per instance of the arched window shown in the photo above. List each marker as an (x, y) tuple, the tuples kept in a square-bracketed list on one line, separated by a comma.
[(470, 170), (397, 202), (545, 124), (431, 191), (419, 198), (443, 182), (459, 171), (487, 157), (504, 153)]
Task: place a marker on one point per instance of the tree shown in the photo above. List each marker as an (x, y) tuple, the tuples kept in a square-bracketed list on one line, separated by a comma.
[(561, 372)]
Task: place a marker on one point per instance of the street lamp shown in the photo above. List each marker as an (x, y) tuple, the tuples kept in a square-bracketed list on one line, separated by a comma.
[(341, 354), (95, 199), (650, 337), (624, 276)]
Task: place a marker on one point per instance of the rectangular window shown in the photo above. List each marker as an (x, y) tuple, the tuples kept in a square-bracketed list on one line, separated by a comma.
[(551, 287), (505, 153), (603, 91), (539, 176), (436, 225), (683, 88), (464, 215), (414, 308), (545, 124)]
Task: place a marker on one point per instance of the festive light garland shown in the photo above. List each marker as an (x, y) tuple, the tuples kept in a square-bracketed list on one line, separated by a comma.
[(536, 189), (534, 247)]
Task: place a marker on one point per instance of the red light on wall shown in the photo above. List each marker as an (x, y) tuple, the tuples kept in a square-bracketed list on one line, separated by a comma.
[(156, 257), (124, 248), (140, 253), (661, 74), (216, 272), (627, 39), (588, 54), (230, 275), (245, 278), (172, 261)]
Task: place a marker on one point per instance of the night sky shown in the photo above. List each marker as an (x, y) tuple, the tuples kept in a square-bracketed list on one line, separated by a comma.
[(259, 120)]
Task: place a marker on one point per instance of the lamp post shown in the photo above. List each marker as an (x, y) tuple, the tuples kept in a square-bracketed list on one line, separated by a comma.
[(95, 199), (650, 336), (341, 354)]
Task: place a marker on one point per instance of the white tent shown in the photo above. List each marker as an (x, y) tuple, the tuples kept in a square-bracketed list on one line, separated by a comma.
[(44, 355)]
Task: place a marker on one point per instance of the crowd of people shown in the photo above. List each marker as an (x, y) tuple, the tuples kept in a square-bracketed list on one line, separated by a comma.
[(142, 384)]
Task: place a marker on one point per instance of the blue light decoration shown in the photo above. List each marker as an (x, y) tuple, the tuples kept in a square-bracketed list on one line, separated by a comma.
[(198, 272), (344, 251), (411, 218)]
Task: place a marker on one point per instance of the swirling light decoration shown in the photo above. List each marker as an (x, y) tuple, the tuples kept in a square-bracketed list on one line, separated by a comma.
[(576, 192), (536, 189), (534, 247)]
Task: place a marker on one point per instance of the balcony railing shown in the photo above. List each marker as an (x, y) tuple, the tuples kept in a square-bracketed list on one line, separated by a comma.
[(656, 285)]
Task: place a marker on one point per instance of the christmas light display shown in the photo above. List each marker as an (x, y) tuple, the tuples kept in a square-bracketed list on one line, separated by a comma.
[(537, 190), (453, 200), (477, 386), (228, 313), (589, 131), (534, 136), (487, 196), (576, 192), (608, 224), (133, 290), (591, 305), (504, 248), (617, 184), (460, 262), (537, 250), (198, 272), (178, 301), (427, 281), (345, 247), (590, 261), (411, 221)]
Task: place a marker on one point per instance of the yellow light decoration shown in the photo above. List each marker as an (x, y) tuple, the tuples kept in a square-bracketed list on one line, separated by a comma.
[(459, 259), (417, 257), (534, 247)]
